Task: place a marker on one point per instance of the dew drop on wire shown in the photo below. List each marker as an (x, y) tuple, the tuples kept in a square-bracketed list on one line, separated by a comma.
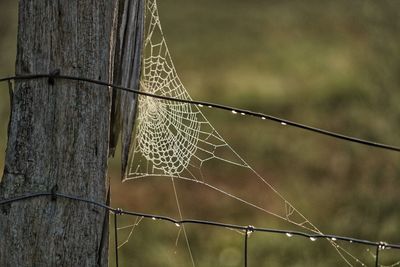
[(153, 218), (242, 113), (289, 235), (234, 111), (283, 123), (200, 105), (263, 118), (249, 230), (333, 239), (313, 239), (177, 225)]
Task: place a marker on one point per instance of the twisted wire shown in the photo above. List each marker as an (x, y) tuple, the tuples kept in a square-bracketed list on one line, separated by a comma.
[(55, 75)]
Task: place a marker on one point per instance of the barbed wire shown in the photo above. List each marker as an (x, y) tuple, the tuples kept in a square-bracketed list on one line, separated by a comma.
[(246, 229), (380, 245), (56, 75)]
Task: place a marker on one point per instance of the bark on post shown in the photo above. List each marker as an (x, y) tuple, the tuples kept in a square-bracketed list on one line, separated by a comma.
[(127, 71), (58, 136)]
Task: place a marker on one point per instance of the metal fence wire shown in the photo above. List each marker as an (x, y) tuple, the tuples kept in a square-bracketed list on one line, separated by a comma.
[(245, 229)]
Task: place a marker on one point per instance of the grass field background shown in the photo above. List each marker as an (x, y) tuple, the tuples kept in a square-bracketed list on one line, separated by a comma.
[(329, 64)]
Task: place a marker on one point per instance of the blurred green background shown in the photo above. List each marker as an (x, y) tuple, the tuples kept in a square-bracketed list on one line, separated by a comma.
[(329, 64)]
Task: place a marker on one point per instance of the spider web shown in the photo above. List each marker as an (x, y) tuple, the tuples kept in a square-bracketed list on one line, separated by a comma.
[(175, 140)]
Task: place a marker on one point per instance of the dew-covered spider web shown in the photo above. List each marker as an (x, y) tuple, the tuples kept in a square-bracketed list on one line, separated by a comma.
[(176, 141)]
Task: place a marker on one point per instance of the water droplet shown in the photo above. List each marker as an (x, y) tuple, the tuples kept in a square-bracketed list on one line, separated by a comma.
[(333, 239), (383, 245), (249, 230), (313, 239), (263, 118), (283, 123), (351, 241), (210, 106), (289, 235), (242, 113), (153, 218), (200, 105), (234, 111), (177, 225)]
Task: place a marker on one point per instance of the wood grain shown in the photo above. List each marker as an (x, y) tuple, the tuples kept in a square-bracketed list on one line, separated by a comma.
[(58, 136)]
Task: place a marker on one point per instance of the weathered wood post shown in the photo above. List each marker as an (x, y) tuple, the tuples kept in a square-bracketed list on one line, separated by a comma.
[(127, 71), (59, 135)]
